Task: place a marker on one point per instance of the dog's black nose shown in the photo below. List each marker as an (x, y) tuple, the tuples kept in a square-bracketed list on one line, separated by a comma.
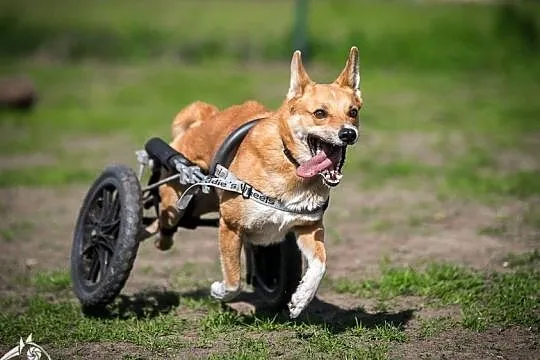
[(348, 135)]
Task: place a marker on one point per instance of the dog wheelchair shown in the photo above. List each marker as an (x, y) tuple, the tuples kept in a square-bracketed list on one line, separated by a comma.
[(114, 215)]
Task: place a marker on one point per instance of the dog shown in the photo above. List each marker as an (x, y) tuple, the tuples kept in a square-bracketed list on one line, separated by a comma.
[(294, 154)]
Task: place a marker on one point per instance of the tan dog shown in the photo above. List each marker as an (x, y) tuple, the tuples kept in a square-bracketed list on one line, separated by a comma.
[(294, 154)]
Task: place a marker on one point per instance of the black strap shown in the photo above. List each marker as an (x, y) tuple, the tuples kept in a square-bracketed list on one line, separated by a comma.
[(290, 156)]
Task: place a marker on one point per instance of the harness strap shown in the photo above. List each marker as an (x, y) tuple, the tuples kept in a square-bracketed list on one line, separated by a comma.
[(289, 156), (226, 180)]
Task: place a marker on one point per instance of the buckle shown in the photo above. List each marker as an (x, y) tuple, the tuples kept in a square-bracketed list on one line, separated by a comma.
[(221, 172)]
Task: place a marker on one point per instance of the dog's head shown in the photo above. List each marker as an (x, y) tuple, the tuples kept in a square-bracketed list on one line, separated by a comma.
[(322, 119)]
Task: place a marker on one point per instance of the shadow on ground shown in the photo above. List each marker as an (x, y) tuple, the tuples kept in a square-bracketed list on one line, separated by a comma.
[(149, 304), (335, 318)]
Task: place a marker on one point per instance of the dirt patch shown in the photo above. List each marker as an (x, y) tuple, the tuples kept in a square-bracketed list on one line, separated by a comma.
[(514, 161), (50, 214), (413, 146), (102, 351), (11, 162), (515, 343), (99, 151), (410, 227), (435, 149)]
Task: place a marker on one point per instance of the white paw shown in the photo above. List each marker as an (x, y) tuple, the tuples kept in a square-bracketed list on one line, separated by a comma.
[(294, 311), (219, 291), (296, 305)]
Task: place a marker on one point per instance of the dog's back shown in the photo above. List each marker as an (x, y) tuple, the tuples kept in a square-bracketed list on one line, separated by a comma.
[(200, 128)]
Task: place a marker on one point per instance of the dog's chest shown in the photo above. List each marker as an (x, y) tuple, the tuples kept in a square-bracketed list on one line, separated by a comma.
[(266, 225)]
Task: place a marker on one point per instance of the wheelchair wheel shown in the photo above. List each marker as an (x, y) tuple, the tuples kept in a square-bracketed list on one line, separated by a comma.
[(105, 239), (276, 271)]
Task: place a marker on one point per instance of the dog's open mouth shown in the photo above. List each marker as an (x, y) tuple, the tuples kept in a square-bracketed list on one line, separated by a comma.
[(327, 160)]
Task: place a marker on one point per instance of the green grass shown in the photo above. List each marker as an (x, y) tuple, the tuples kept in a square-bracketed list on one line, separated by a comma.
[(528, 259), (13, 231), (52, 281), (61, 323), (485, 299), (45, 175), (460, 178), (435, 326)]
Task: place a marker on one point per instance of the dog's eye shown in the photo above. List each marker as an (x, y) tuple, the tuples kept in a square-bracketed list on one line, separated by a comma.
[(320, 113), (353, 113)]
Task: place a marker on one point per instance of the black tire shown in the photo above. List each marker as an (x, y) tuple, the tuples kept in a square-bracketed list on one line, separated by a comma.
[(276, 271), (105, 239)]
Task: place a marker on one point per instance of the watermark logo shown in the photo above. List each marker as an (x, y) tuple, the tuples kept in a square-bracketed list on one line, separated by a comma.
[(27, 348)]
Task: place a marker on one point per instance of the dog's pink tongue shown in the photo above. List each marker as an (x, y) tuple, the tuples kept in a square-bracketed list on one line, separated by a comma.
[(314, 165)]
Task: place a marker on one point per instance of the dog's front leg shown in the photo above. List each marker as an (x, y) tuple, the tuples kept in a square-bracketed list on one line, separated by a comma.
[(230, 247), (311, 244)]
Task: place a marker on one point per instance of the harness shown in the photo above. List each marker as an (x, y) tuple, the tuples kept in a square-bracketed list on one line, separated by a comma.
[(222, 178)]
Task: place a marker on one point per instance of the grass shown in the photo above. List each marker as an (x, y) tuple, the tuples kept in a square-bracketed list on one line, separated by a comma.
[(501, 299), (486, 300), (435, 326), (14, 230), (62, 324), (52, 281), (529, 259), (245, 349)]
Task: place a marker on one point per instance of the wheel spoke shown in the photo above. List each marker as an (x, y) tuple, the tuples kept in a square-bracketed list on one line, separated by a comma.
[(94, 267), (107, 242), (110, 227), (103, 260), (95, 213), (112, 210), (106, 204)]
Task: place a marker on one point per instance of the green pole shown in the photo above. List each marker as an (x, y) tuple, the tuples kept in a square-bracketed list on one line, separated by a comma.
[(300, 28)]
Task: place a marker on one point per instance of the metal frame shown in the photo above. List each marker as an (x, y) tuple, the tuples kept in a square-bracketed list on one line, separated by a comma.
[(185, 174)]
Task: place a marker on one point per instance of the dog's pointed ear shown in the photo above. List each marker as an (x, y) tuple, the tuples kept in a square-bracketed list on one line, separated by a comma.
[(350, 76), (299, 77)]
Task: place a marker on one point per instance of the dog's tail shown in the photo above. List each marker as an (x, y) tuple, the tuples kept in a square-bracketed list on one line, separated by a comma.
[(192, 116)]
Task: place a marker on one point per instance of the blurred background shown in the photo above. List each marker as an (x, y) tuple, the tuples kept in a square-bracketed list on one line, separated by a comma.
[(453, 69), (447, 169)]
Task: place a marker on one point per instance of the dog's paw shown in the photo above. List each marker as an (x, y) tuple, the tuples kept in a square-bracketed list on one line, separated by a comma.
[(219, 291), (163, 242), (296, 305), (294, 310)]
